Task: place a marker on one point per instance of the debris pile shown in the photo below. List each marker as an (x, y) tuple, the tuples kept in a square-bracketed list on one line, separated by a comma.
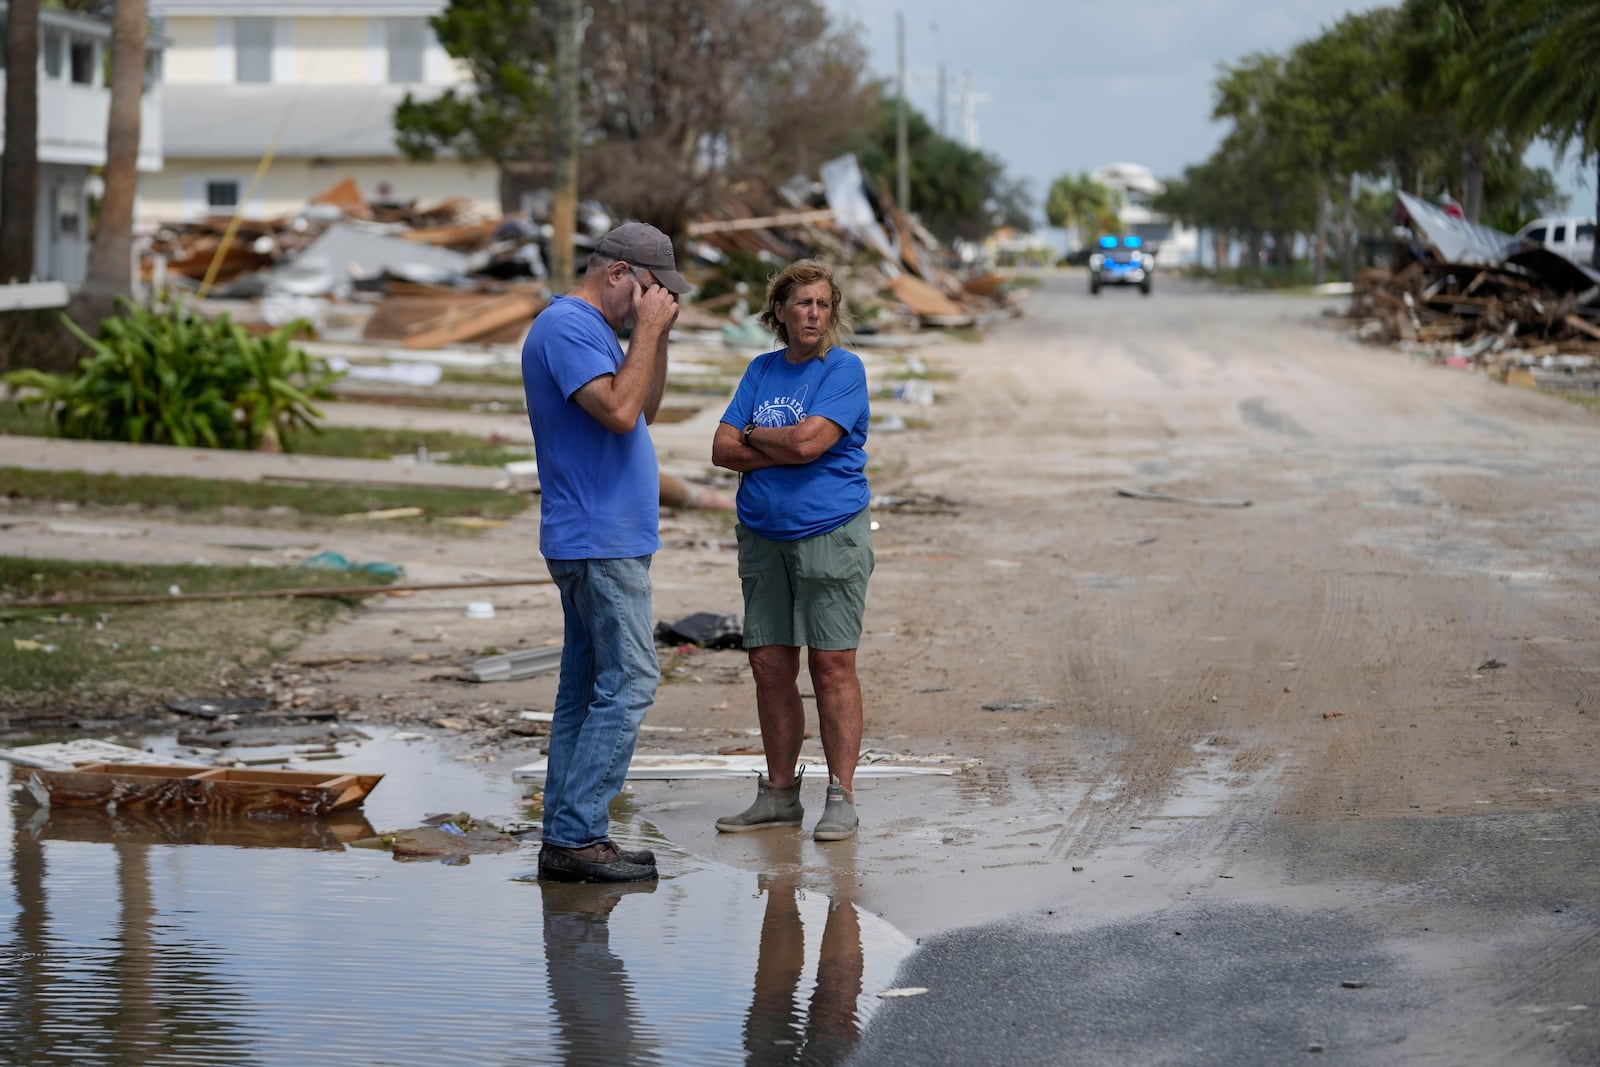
[(1477, 297), (430, 276)]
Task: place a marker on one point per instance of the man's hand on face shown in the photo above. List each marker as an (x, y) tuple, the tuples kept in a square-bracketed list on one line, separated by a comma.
[(656, 306)]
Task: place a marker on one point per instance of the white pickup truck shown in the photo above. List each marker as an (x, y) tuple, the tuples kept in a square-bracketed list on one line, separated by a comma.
[(1570, 236)]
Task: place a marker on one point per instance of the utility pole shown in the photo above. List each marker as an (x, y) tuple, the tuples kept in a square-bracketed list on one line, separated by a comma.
[(564, 157), (943, 131), (903, 188)]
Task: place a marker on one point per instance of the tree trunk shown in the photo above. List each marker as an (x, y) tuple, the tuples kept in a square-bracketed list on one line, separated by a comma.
[(1319, 255), (1351, 238), (1594, 259), (19, 171), (110, 269)]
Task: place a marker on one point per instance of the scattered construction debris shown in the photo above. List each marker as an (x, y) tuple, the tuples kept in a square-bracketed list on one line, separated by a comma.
[(1199, 502), (434, 276), (1475, 297)]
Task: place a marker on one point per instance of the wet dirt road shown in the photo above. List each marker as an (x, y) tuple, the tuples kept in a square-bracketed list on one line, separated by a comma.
[(1308, 778), (1312, 775)]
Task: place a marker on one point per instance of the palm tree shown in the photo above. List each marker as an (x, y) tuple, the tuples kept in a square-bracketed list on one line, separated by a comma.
[(19, 172), (110, 252), (1079, 203), (1438, 38), (1539, 59)]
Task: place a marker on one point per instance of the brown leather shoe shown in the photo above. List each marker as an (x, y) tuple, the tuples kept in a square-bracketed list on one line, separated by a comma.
[(636, 855), (599, 862)]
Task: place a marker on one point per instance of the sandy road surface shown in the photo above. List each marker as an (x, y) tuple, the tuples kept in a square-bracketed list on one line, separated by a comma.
[(1352, 723), (1368, 697)]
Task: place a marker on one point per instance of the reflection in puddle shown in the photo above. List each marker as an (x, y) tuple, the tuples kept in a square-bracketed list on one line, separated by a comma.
[(149, 939)]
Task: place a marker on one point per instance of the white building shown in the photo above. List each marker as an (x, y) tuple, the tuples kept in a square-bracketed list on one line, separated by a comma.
[(74, 104), (1176, 245), (271, 103)]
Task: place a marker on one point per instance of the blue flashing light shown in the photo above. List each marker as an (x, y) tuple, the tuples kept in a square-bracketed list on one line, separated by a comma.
[(1132, 241), (1108, 242)]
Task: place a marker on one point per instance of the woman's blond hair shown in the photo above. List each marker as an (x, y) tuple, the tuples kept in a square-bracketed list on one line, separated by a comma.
[(800, 273)]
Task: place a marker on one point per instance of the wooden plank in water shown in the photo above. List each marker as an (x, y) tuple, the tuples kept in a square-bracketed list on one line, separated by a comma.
[(220, 790)]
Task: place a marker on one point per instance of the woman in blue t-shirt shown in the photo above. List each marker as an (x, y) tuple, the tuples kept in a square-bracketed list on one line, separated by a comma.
[(796, 431)]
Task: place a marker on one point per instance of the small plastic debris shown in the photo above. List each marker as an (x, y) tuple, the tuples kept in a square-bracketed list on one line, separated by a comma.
[(334, 561), (905, 991)]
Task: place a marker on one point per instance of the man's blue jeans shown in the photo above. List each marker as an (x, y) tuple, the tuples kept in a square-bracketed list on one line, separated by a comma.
[(609, 673)]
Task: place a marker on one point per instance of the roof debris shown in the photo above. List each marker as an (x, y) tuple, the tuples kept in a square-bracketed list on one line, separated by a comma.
[(1474, 297), (441, 275)]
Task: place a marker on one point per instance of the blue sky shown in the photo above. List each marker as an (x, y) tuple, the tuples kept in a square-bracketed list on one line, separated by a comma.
[(1069, 85)]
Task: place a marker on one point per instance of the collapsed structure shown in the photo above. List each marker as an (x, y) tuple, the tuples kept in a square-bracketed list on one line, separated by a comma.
[(1484, 298), (431, 276)]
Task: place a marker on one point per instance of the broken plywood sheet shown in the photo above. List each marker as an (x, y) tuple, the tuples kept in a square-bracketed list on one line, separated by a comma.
[(476, 320), (673, 768), (462, 236), (404, 318), (346, 196), (927, 302)]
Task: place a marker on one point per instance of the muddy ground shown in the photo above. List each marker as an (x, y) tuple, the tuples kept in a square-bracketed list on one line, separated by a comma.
[(1367, 601)]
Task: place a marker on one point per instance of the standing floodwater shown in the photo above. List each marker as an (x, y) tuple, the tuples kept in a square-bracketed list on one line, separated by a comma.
[(278, 944)]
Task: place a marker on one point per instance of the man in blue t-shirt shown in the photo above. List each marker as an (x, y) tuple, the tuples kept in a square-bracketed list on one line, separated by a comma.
[(589, 404)]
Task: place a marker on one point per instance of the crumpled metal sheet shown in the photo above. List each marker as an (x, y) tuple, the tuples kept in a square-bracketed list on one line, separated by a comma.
[(1554, 269), (1461, 241), (1458, 240), (842, 182)]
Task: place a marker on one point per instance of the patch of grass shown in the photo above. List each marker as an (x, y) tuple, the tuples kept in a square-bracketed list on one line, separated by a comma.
[(1585, 400), (509, 405), (102, 660), (908, 422), (362, 443), (708, 385), (201, 500), (510, 376), (350, 442), (490, 456), (15, 421)]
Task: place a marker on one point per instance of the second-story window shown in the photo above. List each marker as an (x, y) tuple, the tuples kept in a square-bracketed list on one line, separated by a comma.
[(252, 46), (407, 39)]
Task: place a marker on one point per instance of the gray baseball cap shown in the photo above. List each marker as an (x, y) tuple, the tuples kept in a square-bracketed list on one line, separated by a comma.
[(642, 245)]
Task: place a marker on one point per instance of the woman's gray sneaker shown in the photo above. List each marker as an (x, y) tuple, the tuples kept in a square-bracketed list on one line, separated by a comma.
[(838, 815), (772, 807)]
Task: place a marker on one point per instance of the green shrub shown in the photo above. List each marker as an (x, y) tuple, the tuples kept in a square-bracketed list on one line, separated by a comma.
[(168, 376)]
